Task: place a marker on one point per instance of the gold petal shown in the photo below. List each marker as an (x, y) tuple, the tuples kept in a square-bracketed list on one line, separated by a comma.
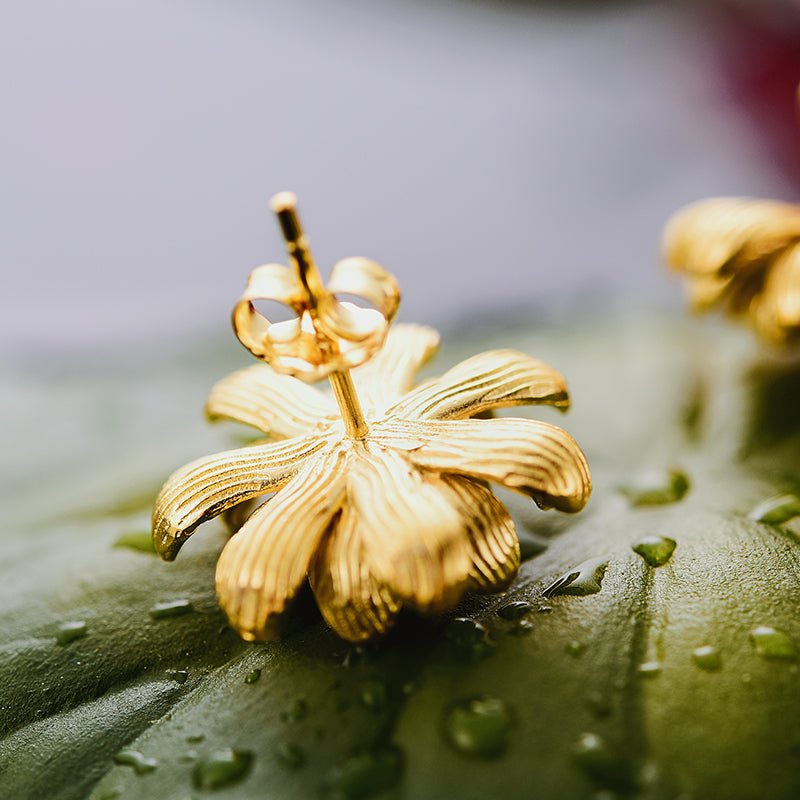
[(276, 404), (264, 564), (495, 379), (352, 600), (417, 542), (530, 456), (207, 487), (729, 234), (392, 370), (495, 547), (777, 309)]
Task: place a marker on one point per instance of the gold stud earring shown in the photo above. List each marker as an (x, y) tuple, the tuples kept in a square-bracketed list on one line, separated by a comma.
[(743, 256), (381, 489)]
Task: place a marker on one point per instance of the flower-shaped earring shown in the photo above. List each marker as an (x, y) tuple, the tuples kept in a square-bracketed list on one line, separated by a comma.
[(381, 495), (742, 255)]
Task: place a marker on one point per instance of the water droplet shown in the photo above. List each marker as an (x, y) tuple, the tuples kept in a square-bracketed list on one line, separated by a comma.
[(773, 644), (178, 675), (514, 610), (464, 631), (469, 636), (655, 550), (479, 726), (252, 676), (599, 705), (296, 711), (365, 775), (707, 658), (290, 755), (649, 669), (222, 768), (521, 627), (189, 757), (70, 631), (195, 738), (140, 541), (777, 510), (545, 609), (575, 648), (133, 758), (664, 490), (171, 608), (600, 761), (584, 579), (373, 694)]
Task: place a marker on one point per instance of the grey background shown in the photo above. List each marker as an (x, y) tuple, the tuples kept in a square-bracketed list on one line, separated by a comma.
[(494, 156)]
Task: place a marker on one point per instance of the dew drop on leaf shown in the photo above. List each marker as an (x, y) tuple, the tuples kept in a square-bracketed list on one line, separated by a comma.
[(655, 550), (586, 578), (290, 755), (373, 694), (70, 631), (672, 488), (649, 669), (171, 608), (464, 631), (522, 627), (469, 636), (598, 704), (189, 757), (479, 726), (178, 675), (133, 758), (575, 648), (777, 510), (707, 658), (773, 644), (600, 761), (514, 610), (222, 768), (365, 775), (252, 676)]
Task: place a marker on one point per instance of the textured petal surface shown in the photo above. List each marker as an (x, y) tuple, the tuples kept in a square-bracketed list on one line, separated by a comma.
[(276, 404), (729, 233), (264, 564), (392, 371), (207, 487), (777, 309), (530, 456), (416, 541), (491, 531), (352, 600), (495, 379)]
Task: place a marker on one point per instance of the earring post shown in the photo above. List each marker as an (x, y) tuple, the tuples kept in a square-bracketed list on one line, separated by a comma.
[(284, 205)]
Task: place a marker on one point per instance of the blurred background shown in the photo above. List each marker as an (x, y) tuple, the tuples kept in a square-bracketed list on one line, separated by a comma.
[(496, 156)]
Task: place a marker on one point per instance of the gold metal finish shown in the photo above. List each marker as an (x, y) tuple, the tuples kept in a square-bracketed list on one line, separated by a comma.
[(742, 255), (383, 507)]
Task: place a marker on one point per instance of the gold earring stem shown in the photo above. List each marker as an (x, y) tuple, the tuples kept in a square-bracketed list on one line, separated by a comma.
[(285, 207)]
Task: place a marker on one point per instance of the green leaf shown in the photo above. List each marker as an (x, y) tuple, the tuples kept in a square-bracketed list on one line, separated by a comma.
[(675, 675)]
